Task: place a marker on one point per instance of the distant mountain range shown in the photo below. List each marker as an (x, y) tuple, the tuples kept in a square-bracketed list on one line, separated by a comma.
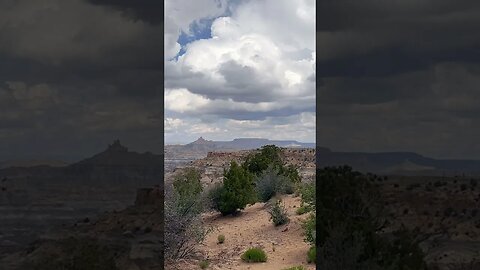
[(117, 164), (401, 163), (201, 147), (114, 167), (31, 163), (247, 143)]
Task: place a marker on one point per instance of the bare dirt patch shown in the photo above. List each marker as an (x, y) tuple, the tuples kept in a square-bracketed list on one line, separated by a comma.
[(284, 244)]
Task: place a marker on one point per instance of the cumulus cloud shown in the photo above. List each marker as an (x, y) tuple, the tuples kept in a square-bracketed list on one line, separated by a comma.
[(180, 15), (258, 63)]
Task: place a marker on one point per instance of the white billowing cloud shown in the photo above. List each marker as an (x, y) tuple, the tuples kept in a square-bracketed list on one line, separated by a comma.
[(172, 124), (289, 23), (181, 100), (275, 65), (180, 14), (258, 66)]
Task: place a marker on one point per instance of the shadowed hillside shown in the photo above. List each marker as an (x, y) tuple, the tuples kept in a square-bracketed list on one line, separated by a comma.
[(36, 199)]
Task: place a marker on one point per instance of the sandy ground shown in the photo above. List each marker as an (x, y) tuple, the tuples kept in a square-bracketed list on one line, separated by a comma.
[(284, 244)]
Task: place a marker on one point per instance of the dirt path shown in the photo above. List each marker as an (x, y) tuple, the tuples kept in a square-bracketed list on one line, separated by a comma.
[(284, 245)]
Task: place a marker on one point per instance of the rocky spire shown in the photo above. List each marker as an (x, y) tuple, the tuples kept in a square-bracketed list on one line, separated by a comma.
[(116, 146)]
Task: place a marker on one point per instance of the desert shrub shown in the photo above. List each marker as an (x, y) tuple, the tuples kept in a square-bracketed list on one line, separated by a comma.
[(351, 221), (269, 159), (308, 194), (254, 255), (291, 172), (221, 239), (270, 183), (214, 195), (184, 227), (310, 229), (278, 214), (298, 267), (269, 155), (312, 255), (237, 190), (204, 264), (188, 189), (304, 208), (187, 182)]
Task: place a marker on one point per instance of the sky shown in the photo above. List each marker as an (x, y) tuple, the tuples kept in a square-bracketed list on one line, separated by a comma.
[(77, 74), (399, 75), (239, 68)]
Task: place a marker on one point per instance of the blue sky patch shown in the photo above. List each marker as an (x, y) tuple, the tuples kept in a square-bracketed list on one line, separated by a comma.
[(201, 29)]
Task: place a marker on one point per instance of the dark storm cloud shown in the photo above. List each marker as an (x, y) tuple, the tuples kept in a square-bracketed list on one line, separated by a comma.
[(74, 76), (147, 10), (242, 83), (399, 75)]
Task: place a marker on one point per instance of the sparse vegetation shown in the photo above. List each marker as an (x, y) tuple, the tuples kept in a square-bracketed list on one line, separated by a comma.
[(310, 229), (270, 183), (260, 177), (221, 239), (184, 227), (351, 221), (204, 264), (312, 255), (278, 214), (303, 209), (254, 255)]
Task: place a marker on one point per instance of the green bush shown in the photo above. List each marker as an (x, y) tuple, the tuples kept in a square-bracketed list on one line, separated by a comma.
[(269, 155), (254, 255), (303, 209), (187, 182), (352, 216), (214, 195), (312, 255), (237, 190), (221, 238), (270, 183), (310, 228), (278, 214), (188, 188), (308, 194), (204, 264), (184, 226), (291, 172)]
